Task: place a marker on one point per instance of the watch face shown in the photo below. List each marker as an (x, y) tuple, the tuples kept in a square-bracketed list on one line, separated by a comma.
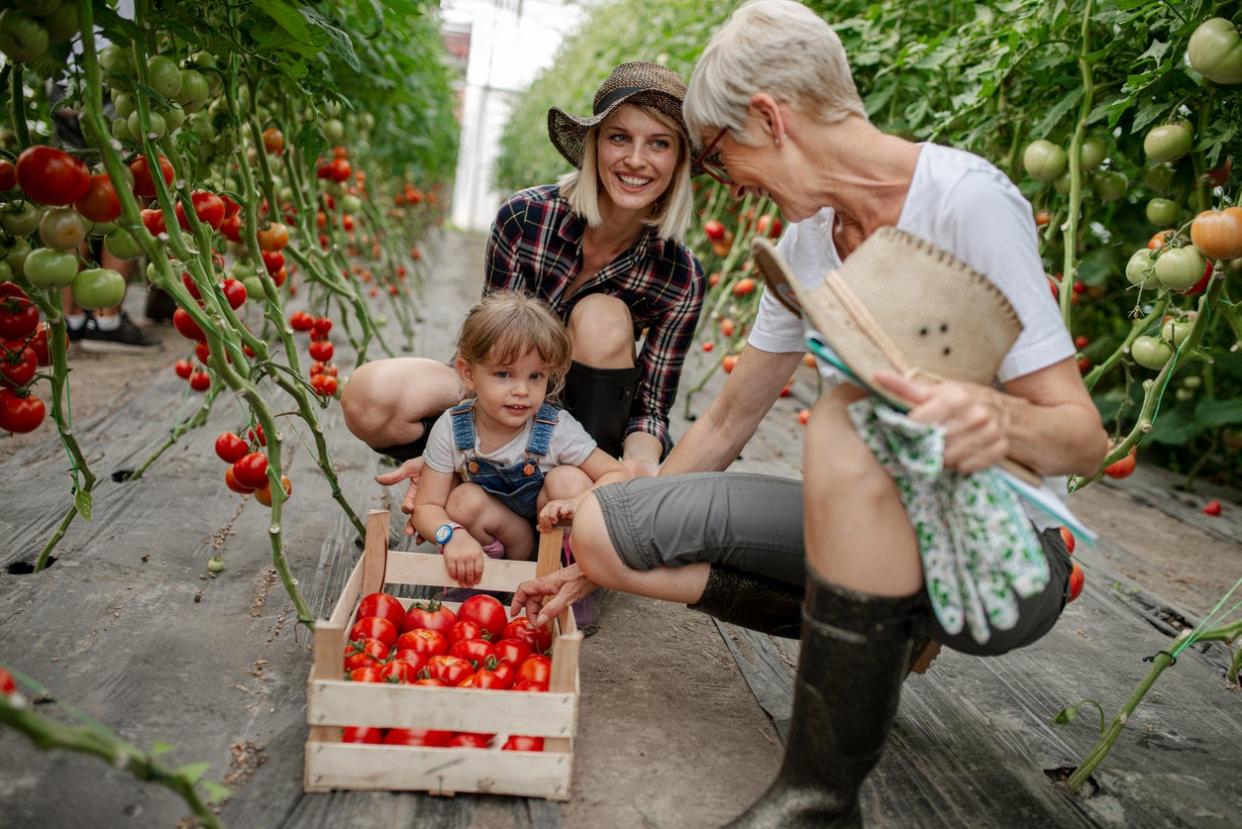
[(443, 533)]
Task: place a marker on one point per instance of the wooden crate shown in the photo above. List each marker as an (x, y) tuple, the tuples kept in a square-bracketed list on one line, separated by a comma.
[(332, 702)]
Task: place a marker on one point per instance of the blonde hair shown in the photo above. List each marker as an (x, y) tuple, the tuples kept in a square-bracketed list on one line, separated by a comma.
[(671, 211), (775, 46), (505, 325)]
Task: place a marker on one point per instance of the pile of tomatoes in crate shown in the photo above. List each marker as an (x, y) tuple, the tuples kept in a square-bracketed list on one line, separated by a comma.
[(430, 645)]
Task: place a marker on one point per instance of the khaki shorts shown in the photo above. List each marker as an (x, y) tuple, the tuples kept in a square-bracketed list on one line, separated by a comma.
[(753, 523)]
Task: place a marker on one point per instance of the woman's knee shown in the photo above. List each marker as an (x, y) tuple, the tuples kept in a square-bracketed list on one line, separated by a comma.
[(838, 465), (602, 332), (592, 545)]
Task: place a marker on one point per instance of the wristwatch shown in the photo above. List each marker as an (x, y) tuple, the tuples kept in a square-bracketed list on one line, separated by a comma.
[(444, 532)]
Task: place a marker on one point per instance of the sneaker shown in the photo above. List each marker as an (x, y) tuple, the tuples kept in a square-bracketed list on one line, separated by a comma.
[(126, 337), (76, 334)]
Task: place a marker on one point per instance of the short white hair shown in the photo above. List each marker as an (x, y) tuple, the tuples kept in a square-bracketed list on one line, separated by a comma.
[(775, 46), (671, 212)]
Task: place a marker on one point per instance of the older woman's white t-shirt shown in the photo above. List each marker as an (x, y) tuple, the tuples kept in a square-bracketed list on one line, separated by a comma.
[(964, 205)]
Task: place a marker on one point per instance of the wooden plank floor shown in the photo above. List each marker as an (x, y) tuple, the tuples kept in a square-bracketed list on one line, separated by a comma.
[(128, 626)]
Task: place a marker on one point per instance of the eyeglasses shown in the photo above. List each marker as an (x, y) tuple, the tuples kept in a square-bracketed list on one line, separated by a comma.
[(711, 163)]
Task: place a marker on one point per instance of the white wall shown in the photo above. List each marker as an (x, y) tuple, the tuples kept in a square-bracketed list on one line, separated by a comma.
[(510, 41)]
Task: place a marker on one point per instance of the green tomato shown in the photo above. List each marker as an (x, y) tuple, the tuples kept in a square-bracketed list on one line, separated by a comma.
[(122, 245), (62, 228), (1159, 177), (98, 288), (174, 117), (1184, 395), (1140, 270), (206, 59), (333, 188), (38, 8), (1043, 160), (1149, 352), (351, 203), (116, 60), (49, 268), (15, 256), (1162, 212), (368, 121), (1180, 268), (254, 286), (21, 220), (156, 121), (1093, 152), (194, 89), (120, 129), (163, 76), (1192, 382), (102, 228), (62, 25), (1175, 331), (22, 37), (124, 104), (1109, 185), (1216, 51), (1062, 185), (380, 320), (334, 130), (332, 108), (1168, 142), (6, 273)]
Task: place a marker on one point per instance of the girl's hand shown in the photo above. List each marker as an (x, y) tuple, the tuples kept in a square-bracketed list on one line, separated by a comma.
[(463, 558), (974, 417), (557, 511)]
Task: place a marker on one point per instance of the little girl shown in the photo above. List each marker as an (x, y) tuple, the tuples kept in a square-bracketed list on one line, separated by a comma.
[(502, 456)]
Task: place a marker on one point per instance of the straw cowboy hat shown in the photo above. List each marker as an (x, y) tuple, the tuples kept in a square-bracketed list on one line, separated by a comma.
[(638, 82)]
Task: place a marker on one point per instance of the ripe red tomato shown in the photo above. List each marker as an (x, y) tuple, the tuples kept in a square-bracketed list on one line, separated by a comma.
[(256, 435), (462, 631), (505, 671), (202, 351), (231, 482), (450, 670), (1076, 580), (529, 685), (184, 369), (428, 681), (1122, 467), (513, 650), (186, 326), (398, 672), (468, 739), (144, 184), (8, 175), (340, 170), (251, 470), (230, 448), (153, 221), (373, 627), (384, 606), (520, 743), (273, 261), (20, 413), (414, 659), (486, 612), (430, 615), (52, 176), (714, 230), (367, 674), (417, 737), (521, 628), (536, 669), (487, 679), (321, 351), (472, 650), (18, 363), (273, 141), (1212, 507), (234, 292), (231, 227), (424, 641), (364, 652), (200, 381), (101, 203), (19, 317), (360, 734), (1070, 541), (322, 326), (301, 321), (39, 343), (324, 384)]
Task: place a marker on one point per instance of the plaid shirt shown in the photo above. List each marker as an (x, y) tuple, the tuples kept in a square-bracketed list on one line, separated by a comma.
[(536, 247)]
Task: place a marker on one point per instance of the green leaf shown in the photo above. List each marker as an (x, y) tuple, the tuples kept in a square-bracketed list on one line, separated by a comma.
[(1066, 716), (1156, 52), (1211, 413), (159, 747), (193, 772), (82, 503), (1148, 113), (1175, 427), (287, 17), (1057, 112), (216, 792)]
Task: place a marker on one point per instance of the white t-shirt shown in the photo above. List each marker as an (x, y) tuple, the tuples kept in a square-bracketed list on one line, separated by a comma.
[(963, 204), (570, 445)]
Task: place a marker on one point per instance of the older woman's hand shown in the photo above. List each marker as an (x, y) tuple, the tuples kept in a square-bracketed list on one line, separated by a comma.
[(546, 597), (974, 418)]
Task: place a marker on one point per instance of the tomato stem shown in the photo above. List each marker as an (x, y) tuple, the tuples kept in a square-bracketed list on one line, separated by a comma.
[(17, 104)]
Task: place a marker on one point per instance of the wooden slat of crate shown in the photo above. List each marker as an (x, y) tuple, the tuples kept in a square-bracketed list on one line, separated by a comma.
[(426, 568), (442, 771)]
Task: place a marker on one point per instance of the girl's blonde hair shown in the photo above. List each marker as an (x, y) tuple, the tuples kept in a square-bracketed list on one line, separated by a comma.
[(505, 325), (670, 213)]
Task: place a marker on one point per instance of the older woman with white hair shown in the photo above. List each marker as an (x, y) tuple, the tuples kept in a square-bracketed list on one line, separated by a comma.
[(774, 106)]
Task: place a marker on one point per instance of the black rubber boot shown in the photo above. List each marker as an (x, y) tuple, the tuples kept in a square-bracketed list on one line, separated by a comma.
[(855, 649), (600, 399), (752, 601)]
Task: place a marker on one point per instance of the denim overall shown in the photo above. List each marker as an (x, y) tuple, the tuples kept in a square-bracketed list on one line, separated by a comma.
[(516, 486)]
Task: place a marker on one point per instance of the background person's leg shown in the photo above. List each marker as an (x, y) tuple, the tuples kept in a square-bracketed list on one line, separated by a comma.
[(385, 401)]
